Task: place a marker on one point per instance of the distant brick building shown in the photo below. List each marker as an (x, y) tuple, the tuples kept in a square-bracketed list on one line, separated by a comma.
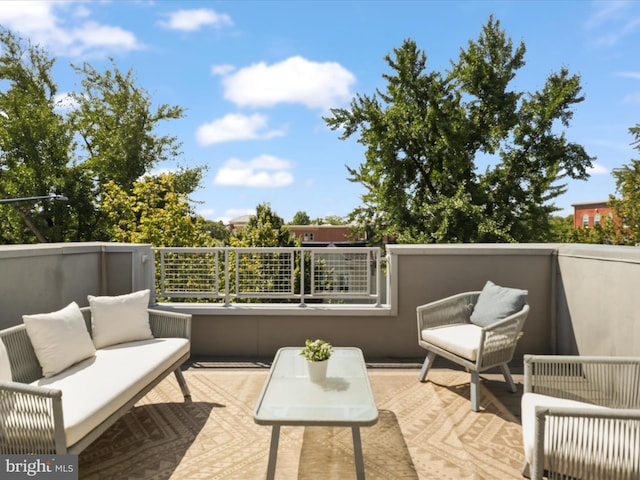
[(588, 214), (319, 235)]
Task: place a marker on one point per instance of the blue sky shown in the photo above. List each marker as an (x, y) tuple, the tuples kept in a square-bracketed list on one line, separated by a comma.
[(256, 77)]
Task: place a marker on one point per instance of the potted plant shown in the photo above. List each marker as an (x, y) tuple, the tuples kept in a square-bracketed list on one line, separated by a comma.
[(317, 352)]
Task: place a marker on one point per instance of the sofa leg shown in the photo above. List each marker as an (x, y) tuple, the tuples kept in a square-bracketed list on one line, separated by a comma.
[(183, 384), (426, 365), (507, 376), (475, 391)]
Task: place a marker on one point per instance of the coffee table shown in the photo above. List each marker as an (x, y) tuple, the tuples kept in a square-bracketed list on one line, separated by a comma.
[(289, 398)]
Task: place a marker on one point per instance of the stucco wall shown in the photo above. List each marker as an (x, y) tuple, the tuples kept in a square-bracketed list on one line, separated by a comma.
[(583, 297)]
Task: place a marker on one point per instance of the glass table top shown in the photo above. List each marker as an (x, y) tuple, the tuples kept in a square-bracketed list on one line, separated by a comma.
[(289, 397)]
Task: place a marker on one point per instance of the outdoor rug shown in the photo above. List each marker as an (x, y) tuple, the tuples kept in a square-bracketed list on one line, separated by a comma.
[(425, 431)]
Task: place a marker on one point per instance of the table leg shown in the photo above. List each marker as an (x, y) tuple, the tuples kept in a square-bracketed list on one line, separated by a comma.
[(273, 452), (357, 453)]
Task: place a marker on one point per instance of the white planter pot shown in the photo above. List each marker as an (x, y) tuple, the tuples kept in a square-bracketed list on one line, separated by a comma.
[(318, 371)]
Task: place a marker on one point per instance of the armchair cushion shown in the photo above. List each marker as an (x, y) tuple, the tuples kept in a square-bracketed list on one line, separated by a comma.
[(120, 318), (496, 303), (462, 339), (60, 339)]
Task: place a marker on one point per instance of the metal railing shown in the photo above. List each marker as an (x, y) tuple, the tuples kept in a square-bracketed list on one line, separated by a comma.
[(300, 275)]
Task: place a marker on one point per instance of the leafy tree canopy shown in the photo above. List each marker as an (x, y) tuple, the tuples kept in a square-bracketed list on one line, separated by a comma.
[(264, 229), (301, 218), (427, 133), (627, 204)]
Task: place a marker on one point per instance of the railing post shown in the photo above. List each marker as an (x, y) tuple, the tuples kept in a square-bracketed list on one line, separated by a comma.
[(302, 285), (227, 296)]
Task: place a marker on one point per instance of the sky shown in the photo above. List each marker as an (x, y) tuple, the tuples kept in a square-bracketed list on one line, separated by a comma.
[(257, 77)]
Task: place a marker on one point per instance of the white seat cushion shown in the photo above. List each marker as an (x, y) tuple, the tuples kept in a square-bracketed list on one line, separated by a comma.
[(612, 444), (94, 389), (460, 339)]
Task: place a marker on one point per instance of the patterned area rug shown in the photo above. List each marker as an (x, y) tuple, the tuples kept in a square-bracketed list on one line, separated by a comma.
[(425, 431)]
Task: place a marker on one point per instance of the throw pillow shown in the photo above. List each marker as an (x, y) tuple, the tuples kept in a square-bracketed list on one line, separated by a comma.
[(119, 319), (496, 303), (60, 339), (5, 365)]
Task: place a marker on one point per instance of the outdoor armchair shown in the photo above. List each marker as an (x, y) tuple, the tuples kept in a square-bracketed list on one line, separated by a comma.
[(581, 417), (478, 330)]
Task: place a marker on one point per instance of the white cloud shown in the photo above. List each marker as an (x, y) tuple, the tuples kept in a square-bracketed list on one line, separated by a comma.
[(611, 22), (192, 20), (65, 103), (222, 69), (295, 80), (236, 126), (598, 169), (263, 171), (51, 24), (632, 98), (634, 75)]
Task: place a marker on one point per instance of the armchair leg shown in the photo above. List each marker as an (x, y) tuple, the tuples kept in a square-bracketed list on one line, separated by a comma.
[(183, 384), (426, 366), (507, 376), (475, 391)]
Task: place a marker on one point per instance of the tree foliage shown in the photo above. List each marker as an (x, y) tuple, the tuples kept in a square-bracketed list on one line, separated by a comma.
[(427, 133), (34, 144), (264, 229), (94, 148), (627, 204), (156, 211), (301, 218)]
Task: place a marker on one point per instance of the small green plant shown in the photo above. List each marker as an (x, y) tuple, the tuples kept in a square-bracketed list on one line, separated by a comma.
[(316, 350)]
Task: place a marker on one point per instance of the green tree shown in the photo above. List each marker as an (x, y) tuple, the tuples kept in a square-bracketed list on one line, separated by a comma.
[(561, 229), (425, 134), (301, 218), (627, 205), (116, 126), (34, 144), (217, 230), (156, 211), (264, 229)]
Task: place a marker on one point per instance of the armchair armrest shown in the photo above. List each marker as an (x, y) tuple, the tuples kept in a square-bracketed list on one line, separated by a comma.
[(602, 380), (586, 442), (31, 420), (499, 339), (446, 311), (166, 324)]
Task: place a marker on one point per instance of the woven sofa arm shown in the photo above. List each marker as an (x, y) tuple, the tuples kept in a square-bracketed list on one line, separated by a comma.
[(446, 311), (31, 419), (602, 380), (584, 442), (166, 324)]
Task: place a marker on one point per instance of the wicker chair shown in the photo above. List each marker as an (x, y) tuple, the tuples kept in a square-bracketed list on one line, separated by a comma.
[(445, 329), (581, 417)]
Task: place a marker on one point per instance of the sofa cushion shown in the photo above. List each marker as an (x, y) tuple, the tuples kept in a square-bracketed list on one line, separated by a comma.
[(496, 303), (96, 388), (120, 318), (462, 339), (60, 339), (5, 365)]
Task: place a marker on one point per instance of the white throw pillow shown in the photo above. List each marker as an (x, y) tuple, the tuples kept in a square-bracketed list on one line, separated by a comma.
[(119, 319), (5, 365), (60, 339)]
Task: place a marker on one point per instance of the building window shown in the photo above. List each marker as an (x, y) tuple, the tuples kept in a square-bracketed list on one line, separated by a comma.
[(585, 220), (308, 237), (596, 219)]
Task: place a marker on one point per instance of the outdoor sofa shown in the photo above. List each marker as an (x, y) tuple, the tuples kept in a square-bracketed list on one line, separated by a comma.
[(67, 376)]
